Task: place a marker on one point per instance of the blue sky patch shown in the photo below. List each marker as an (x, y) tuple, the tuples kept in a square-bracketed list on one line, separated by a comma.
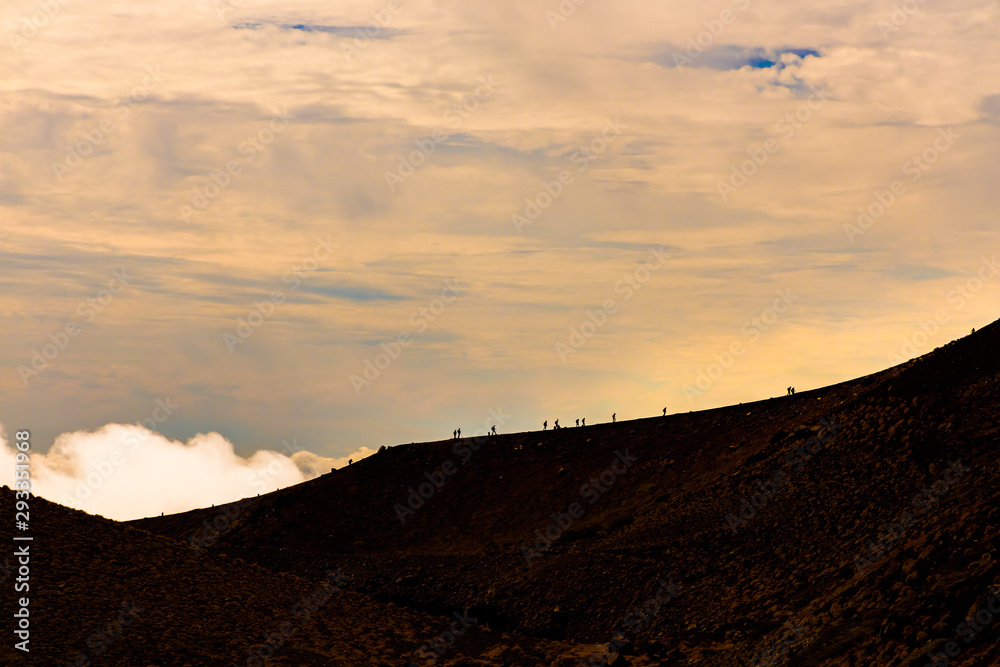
[(366, 31), (728, 57)]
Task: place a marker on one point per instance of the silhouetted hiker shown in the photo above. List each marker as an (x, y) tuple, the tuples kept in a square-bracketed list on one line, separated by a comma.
[(613, 417), (545, 424), (494, 429), (664, 412), (788, 391), (973, 330), (459, 433), (584, 420), (577, 422), (793, 391), (556, 425), (454, 435), (350, 461)]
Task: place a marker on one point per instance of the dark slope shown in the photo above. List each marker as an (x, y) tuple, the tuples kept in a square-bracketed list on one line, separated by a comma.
[(104, 593), (881, 440)]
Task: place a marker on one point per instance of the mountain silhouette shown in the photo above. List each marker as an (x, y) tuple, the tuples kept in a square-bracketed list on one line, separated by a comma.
[(856, 524)]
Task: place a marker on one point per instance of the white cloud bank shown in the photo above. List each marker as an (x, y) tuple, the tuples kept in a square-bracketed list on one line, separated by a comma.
[(127, 471)]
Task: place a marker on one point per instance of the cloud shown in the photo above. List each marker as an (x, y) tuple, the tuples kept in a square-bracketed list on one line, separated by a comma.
[(360, 31), (127, 471), (734, 57)]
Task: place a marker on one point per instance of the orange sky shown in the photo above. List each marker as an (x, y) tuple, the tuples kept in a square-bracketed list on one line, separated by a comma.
[(240, 206)]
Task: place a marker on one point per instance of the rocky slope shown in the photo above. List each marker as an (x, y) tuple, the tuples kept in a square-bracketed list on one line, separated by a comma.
[(852, 525)]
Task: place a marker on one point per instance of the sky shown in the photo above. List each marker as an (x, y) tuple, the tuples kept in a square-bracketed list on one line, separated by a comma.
[(284, 234)]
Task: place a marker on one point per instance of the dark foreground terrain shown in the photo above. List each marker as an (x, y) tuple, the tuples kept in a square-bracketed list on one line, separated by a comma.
[(857, 524)]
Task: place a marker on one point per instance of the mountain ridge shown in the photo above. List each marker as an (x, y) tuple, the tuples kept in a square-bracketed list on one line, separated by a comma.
[(852, 524)]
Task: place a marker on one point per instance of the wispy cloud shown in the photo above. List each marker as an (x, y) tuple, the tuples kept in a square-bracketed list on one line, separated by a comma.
[(734, 57), (362, 83), (367, 31)]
